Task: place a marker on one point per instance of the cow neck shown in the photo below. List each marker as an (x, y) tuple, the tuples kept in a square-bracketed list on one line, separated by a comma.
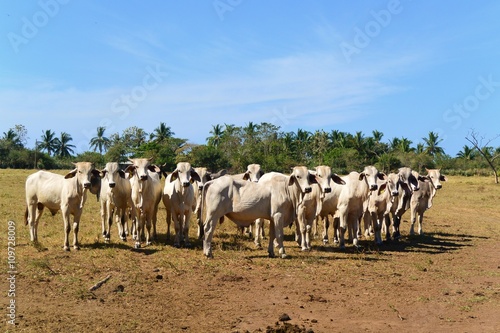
[(81, 192)]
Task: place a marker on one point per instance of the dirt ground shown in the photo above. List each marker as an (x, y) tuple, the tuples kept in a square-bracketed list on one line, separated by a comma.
[(445, 281)]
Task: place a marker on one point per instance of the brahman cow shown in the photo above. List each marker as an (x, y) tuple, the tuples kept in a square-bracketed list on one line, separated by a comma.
[(67, 193), (179, 201), (379, 207), (243, 202), (422, 200), (205, 176), (348, 204), (311, 205), (409, 183), (146, 195), (116, 200)]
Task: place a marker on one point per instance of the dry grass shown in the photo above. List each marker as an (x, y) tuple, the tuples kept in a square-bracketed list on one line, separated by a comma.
[(448, 279)]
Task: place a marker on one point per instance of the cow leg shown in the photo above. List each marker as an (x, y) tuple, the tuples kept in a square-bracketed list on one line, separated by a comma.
[(396, 221), (209, 228), (387, 225), (67, 226), (199, 223), (377, 228), (336, 230), (178, 230), (326, 225), (259, 226), (169, 221), (76, 228), (276, 233), (420, 224), (139, 225), (367, 223), (34, 213), (104, 210), (187, 218), (153, 220), (412, 220), (148, 221)]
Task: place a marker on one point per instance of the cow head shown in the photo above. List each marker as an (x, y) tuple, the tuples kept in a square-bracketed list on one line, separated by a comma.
[(111, 173), (408, 179), (185, 174), (391, 184), (370, 174), (140, 167), (323, 176), (86, 175), (253, 173), (301, 176), (435, 177)]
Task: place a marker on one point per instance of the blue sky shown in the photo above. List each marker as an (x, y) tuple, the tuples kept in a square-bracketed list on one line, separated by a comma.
[(404, 68)]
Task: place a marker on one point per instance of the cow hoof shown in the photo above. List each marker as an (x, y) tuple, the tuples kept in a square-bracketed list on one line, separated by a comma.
[(271, 255), (137, 245), (283, 256), (325, 241), (187, 245), (148, 243), (107, 240), (177, 245), (104, 234), (123, 239), (66, 248), (76, 247), (209, 255)]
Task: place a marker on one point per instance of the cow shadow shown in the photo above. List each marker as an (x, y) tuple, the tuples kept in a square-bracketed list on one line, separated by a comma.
[(430, 243)]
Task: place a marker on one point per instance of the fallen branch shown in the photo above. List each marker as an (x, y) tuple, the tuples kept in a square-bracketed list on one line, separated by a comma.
[(100, 283)]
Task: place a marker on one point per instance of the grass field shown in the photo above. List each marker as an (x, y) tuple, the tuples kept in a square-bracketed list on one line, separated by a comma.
[(445, 281)]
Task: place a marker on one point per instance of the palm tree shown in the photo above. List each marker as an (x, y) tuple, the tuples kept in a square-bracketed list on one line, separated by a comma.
[(217, 133), (377, 136), (100, 141), (404, 145), (64, 148), (466, 153), (432, 144), (49, 142), (162, 133), (12, 137)]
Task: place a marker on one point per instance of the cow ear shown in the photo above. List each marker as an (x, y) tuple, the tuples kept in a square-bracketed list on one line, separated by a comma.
[(96, 173), (121, 173), (71, 174), (382, 188), (312, 179), (291, 179), (443, 178), (382, 176), (361, 176), (102, 173), (246, 176), (195, 176), (423, 178), (154, 168), (337, 179), (174, 175)]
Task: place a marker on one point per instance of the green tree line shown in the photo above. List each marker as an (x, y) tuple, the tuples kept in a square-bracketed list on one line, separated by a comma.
[(234, 147)]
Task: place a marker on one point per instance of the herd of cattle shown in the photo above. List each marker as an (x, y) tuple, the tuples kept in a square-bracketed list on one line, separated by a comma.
[(368, 202)]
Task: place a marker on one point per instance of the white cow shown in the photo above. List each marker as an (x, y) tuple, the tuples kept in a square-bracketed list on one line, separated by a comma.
[(311, 205), (116, 200), (348, 203), (379, 206), (179, 201), (243, 202), (422, 200), (67, 193), (205, 176), (146, 195)]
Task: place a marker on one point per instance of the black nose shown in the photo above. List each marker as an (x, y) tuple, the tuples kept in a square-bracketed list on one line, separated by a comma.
[(112, 185), (328, 190), (395, 193), (373, 187), (308, 190), (144, 177), (200, 187), (439, 186), (86, 185), (186, 184)]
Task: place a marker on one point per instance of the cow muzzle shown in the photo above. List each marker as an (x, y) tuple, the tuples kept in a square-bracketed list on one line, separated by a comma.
[(438, 186), (186, 184), (112, 185), (373, 187), (308, 190), (328, 190), (144, 177), (395, 193), (86, 185)]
